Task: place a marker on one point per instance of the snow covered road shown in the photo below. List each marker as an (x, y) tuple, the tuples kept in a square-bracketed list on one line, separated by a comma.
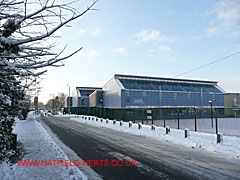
[(154, 159)]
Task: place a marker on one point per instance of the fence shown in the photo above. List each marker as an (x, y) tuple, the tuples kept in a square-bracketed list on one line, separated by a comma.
[(132, 114), (224, 120)]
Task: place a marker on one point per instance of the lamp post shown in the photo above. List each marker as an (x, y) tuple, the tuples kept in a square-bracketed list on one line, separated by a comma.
[(210, 102), (52, 102), (68, 99), (164, 122), (216, 121), (195, 118), (178, 119)]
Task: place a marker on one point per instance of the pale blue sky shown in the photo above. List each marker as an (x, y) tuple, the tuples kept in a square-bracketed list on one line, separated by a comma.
[(150, 37)]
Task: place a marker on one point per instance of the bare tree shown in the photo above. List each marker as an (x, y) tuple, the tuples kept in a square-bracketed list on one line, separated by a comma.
[(62, 97), (26, 49), (49, 105)]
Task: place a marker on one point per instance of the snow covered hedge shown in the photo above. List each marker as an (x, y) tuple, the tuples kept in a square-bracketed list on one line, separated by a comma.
[(10, 96)]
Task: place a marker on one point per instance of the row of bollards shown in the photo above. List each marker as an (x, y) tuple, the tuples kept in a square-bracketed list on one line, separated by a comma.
[(130, 124), (153, 127), (186, 133), (139, 126), (219, 138), (167, 130)]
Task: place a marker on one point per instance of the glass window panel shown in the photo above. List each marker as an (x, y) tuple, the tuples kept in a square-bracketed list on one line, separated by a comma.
[(167, 86)]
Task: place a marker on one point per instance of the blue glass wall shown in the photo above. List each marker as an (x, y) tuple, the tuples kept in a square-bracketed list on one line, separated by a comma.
[(130, 98), (168, 86), (83, 102)]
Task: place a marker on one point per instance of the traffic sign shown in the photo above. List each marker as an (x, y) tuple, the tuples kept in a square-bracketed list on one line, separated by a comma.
[(56, 101), (36, 101)]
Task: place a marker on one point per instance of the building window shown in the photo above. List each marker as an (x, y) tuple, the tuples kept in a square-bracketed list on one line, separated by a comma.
[(127, 96), (144, 96), (189, 97), (175, 96), (160, 96), (202, 96), (214, 98)]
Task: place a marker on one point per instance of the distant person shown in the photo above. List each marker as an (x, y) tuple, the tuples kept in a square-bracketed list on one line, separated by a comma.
[(64, 112)]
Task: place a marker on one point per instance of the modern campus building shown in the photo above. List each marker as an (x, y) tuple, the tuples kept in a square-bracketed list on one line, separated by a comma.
[(142, 91), (232, 104), (130, 97), (81, 96), (127, 91)]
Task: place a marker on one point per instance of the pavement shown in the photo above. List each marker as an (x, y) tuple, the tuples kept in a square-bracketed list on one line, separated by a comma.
[(37, 145)]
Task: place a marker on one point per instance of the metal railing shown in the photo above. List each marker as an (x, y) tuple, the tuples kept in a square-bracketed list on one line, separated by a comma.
[(205, 119)]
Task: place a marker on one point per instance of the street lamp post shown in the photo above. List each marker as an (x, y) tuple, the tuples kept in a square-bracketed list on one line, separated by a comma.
[(178, 119), (210, 102), (52, 103), (195, 118), (216, 121), (164, 122), (68, 99)]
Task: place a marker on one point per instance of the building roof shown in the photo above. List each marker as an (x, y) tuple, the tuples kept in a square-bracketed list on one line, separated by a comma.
[(90, 88), (122, 76), (167, 84), (86, 91)]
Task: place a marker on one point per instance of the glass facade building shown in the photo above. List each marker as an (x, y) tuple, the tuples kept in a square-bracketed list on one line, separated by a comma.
[(142, 91), (81, 96)]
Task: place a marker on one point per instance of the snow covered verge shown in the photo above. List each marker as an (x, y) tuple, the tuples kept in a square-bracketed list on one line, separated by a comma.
[(229, 147), (37, 145), (66, 115)]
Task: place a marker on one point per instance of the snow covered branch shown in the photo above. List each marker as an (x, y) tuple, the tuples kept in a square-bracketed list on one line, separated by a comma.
[(26, 49), (18, 39)]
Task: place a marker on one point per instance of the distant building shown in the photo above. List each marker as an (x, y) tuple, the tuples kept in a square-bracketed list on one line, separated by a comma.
[(127, 91), (80, 96), (68, 101), (143, 91), (96, 99), (232, 104)]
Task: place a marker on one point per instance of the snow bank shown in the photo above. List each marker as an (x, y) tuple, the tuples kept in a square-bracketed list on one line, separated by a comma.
[(229, 147), (38, 145), (67, 115)]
